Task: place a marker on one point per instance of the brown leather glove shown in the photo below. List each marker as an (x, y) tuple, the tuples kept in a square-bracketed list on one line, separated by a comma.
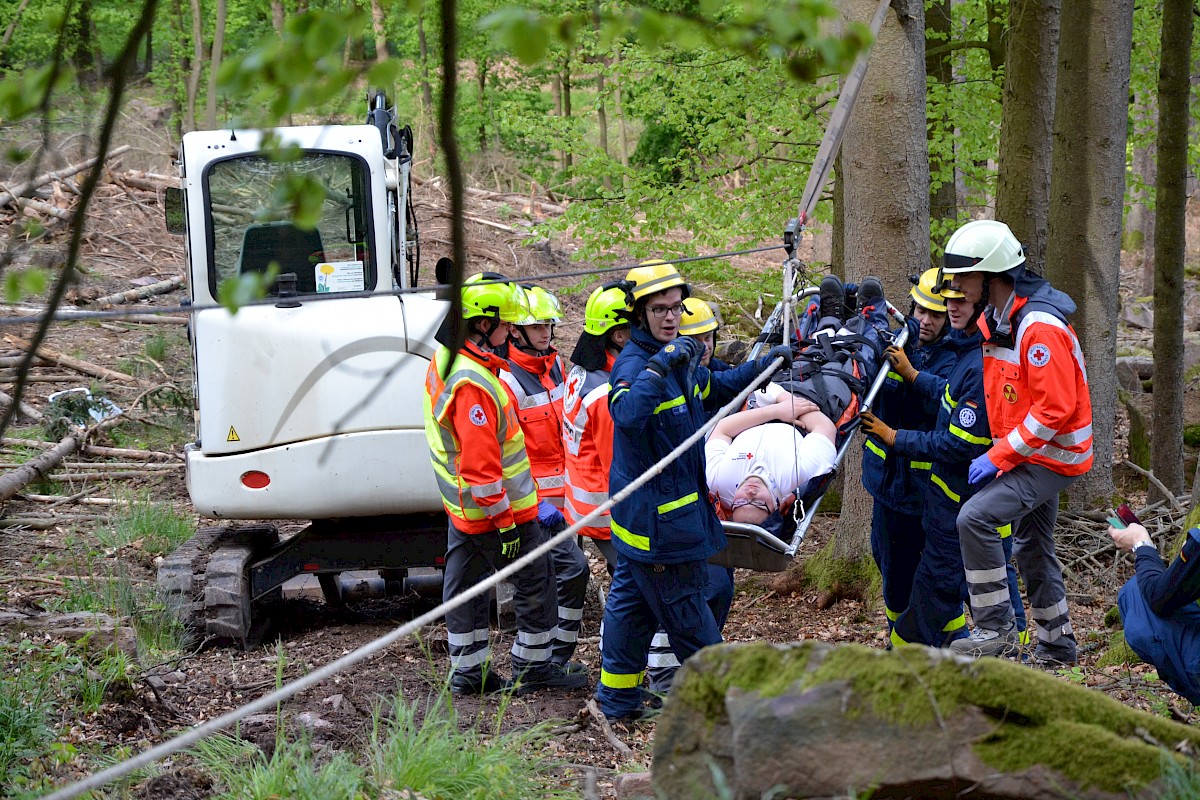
[(900, 363), (874, 426)]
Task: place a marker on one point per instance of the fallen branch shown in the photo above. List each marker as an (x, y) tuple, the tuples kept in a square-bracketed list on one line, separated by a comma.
[(12, 192), (76, 364), (612, 738), (45, 208), (149, 181), (1162, 487), (26, 409), (76, 498), (107, 476), (162, 287), (46, 523)]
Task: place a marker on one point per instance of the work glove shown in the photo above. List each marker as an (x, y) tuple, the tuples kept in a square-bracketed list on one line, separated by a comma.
[(550, 517), (778, 351), (900, 363), (876, 427), (675, 354), (981, 469), (510, 542)]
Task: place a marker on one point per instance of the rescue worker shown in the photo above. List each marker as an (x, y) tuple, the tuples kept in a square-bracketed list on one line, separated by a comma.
[(1158, 608), (489, 496), (666, 530), (587, 425), (896, 483), (933, 612), (700, 322), (1041, 422), (535, 376)]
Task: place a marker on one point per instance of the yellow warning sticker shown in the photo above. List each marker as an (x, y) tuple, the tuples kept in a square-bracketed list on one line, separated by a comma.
[(232, 437)]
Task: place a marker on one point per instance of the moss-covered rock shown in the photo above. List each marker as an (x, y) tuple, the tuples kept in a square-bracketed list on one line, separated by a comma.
[(817, 720)]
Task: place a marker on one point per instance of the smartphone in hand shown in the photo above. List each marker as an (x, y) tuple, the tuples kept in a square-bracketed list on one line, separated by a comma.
[(1117, 523), (1126, 514)]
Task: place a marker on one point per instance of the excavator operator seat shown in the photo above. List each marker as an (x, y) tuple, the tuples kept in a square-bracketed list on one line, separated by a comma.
[(293, 249)]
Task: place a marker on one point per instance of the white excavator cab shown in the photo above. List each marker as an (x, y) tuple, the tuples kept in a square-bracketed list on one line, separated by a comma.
[(308, 403)]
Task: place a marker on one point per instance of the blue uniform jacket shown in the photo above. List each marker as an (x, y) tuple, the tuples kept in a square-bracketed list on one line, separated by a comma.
[(892, 479), (670, 519), (961, 432)]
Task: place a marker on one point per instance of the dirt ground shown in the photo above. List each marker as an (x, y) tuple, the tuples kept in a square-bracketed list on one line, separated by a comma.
[(126, 243)]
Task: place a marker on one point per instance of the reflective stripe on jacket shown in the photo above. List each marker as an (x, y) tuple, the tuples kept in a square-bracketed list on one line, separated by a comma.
[(587, 437), (1037, 392), (475, 442), (537, 384), (670, 519)]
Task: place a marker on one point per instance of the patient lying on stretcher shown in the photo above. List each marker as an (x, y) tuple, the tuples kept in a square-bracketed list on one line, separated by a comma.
[(758, 461)]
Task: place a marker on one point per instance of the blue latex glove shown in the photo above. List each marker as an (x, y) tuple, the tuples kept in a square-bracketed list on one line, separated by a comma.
[(981, 469), (778, 351), (549, 516), (675, 354)]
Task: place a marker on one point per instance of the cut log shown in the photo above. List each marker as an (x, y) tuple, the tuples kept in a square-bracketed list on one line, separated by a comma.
[(32, 470), (162, 287), (76, 364), (27, 410), (45, 208), (12, 192), (150, 181)]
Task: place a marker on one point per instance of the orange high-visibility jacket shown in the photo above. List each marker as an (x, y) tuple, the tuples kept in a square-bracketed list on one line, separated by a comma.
[(1037, 393), (537, 384), (475, 442), (587, 435)]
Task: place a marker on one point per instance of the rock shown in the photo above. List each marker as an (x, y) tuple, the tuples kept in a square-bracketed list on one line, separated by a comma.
[(312, 721), (1139, 315), (816, 720), (633, 786), (1132, 370)]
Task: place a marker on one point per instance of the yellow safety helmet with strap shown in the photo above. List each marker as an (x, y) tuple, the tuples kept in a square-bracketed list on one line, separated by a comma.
[(651, 277), (606, 309), (543, 308), (926, 291), (698, 317), (489, 294)]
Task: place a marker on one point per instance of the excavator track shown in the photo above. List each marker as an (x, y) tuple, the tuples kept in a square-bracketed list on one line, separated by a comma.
[(205, 579)]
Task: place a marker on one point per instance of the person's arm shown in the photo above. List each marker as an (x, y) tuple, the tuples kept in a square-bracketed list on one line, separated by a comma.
[(783, 411), (601, 423), (475, 420), (963, 436), (636, 392), (1051, 387), (1166, 589)]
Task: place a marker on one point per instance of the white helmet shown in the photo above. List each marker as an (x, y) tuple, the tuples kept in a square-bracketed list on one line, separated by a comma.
[(984, 245)]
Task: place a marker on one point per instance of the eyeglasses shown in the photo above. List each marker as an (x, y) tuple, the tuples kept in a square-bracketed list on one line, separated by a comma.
[(658, 312), (747, 501)]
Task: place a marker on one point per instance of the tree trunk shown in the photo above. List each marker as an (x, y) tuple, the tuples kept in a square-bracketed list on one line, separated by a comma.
[(377, 18), (148, 64), (277, 16), (1083, 254), (12, 26), (426, 88), (624, 134), (218, 50), (197, 65), (1027, 124), (568, 157), (1170, 201), (940, 68), (886, 192), (481, 71), (1139, 222)]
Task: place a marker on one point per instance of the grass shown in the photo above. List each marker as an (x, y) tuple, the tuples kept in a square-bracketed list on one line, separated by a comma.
[(411, 752), (156, 525)]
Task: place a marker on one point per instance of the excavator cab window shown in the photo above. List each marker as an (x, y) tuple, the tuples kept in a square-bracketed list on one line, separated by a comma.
[(252, 227)]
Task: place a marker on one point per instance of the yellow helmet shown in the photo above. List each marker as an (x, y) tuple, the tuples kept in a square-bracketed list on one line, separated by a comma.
[(543, 308), (489, 294), (698, 317), (606, 309), (654, 276), (927, 293)]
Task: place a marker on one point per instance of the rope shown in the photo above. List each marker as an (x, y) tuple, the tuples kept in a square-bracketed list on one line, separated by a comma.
[(121, 313), (265, 703)]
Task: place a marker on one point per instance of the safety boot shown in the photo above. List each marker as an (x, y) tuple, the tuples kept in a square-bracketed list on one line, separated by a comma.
[(487, 683), (832, 309), (984, 642), (571, 675)]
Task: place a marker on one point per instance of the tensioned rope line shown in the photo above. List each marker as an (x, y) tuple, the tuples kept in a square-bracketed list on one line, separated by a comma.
[(202, 731), (65, 315)]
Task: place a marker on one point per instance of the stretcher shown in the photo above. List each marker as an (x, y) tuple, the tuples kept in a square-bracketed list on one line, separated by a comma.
[(753, 547)]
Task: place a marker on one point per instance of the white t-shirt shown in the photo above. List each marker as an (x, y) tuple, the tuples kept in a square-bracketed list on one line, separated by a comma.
[(790, 460)]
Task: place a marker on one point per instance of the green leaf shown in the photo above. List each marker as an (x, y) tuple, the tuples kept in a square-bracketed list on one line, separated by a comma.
[(22, 283), (233, 293), (520, 31)]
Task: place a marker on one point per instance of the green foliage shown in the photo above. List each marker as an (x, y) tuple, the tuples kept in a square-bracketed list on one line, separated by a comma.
[(156, 526), (21, 283), (1191, 435), (26, 707), (239, 290)]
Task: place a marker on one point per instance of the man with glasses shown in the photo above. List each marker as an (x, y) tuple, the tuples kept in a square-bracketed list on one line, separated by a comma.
[(666, 530)]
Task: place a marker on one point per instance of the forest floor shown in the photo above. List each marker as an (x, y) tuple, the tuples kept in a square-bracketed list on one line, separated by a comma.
[(126, 246)]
